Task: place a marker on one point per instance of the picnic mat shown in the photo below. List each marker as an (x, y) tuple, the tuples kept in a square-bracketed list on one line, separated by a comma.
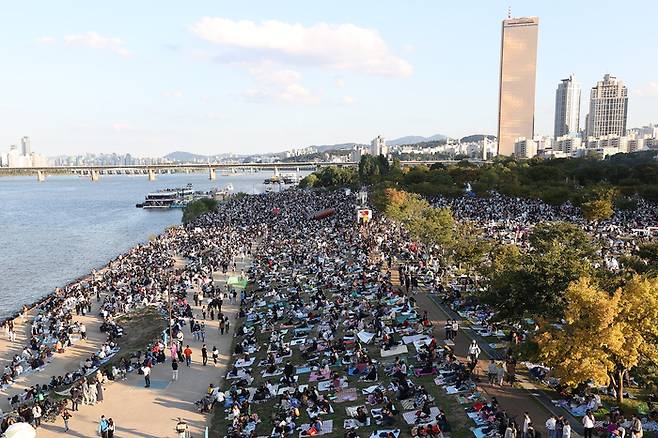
[(348, 394), (395, 351), (327, 428), (237, 282), (410, 417)]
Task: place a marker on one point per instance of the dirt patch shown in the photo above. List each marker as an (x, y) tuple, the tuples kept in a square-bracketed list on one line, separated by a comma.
[(140, 329)]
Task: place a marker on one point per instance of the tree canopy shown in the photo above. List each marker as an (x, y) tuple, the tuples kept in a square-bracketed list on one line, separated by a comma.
[(605, 335), (533, 282)]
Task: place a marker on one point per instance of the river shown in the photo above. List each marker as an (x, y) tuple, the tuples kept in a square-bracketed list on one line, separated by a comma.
[(58, 230)]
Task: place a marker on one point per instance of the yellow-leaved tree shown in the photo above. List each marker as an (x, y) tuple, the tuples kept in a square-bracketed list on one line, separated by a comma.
[(604, 335)]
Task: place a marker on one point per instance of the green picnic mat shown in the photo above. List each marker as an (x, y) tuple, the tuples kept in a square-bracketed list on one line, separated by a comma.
[(236, 282)]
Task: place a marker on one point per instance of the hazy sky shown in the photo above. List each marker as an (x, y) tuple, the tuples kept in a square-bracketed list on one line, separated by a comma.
[(150, 77)]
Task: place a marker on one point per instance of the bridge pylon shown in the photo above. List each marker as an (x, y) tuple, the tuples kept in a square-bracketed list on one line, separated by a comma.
[(41, 175), (151, 175), (212, 174)]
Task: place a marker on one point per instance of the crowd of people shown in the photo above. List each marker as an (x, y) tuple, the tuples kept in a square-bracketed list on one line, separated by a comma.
[(322, 318), (511, 219)]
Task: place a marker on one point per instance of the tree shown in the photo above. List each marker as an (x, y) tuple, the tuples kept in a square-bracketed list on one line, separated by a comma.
[(434, 226), (533, 283), (198, 207), (309, 181), (605, 335), (597, 210), (469, 247), (369, 169)]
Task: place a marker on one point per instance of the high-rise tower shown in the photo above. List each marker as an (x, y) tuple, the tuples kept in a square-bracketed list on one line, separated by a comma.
[(518, 67), (567, 107), (608, 108)]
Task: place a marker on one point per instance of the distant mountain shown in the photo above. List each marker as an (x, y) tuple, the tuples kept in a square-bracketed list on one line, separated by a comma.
[(413, 139), (185, 157), (477, 137), (336, 147)]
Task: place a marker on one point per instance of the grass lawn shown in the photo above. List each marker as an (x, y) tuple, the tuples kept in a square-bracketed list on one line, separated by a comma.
[(455, 412)]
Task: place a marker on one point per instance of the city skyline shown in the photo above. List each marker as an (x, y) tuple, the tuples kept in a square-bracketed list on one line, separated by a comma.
[(194, 81)]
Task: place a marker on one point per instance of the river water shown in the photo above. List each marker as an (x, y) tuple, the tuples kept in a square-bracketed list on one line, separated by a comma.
[(58, 230)]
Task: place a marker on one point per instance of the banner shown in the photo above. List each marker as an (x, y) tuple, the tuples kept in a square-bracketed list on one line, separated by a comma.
[(364, 215)]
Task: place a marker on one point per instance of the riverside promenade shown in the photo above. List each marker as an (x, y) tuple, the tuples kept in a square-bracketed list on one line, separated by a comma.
[(138, 411)]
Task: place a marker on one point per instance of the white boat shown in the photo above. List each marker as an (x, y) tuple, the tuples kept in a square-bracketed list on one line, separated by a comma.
[(168, 198)]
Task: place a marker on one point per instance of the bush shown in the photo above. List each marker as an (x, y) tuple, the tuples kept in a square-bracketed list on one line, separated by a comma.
[(198, 207)]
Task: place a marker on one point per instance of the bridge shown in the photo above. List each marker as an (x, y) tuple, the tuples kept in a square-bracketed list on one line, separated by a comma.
[(151, 170)]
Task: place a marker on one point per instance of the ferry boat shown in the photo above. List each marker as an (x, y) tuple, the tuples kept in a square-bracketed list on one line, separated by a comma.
[(168, 198), (284, 178), (290, 178)]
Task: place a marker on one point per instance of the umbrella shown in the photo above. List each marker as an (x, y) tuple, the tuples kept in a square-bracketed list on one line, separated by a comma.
[(20, 430)]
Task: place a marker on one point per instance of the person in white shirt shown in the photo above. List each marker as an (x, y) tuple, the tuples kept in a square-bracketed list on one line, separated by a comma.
[(588, 424), (526, 424), (566, 430), (636, 427), (550, 426), (474, 351), (147, 376), (36, 413)]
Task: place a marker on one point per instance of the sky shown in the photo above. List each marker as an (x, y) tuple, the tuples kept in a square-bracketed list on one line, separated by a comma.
[(154, 76)]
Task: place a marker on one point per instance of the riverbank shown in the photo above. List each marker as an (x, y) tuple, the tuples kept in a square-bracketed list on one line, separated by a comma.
[(131, 282), (52, 230)]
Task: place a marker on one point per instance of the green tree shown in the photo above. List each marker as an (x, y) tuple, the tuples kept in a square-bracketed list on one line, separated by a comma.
[(433, 226), (369, 169), (469, 248), (198, 207), (533, 283)]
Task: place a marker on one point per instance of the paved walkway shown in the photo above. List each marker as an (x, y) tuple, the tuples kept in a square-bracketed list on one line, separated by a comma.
[(153, 412), (60, 363), (515, 400)]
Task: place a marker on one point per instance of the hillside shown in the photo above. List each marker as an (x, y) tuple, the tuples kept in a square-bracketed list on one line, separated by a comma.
[(414, 139)]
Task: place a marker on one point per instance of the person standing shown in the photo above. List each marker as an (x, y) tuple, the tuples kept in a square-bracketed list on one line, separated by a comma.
[(110, 428), (204, 355), (474, 351), (227, 324), (588, 425), (102, 427), (215, 355), (566, 430), (174, 369), (66, 415), (222, 324), (559, 426), (36, 414), (75, 397), (550, 426), (188, 355), (510, 431), (83, 331), (492, 372), (526, 424), (455, 329), (181, 428), (147, 376), (99, 391)]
